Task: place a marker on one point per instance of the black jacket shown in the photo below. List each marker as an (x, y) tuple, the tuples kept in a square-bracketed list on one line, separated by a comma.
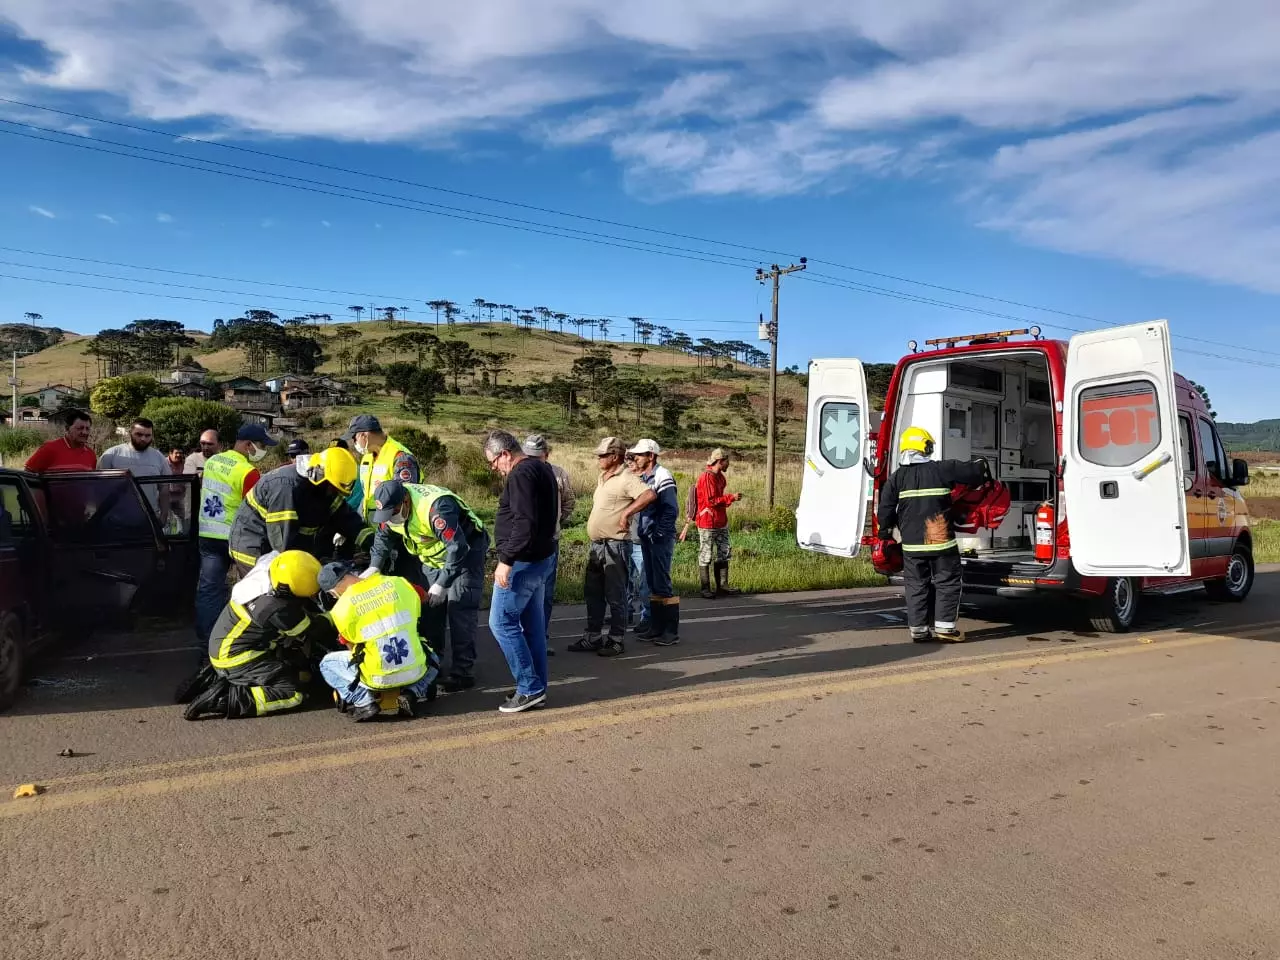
[(917, 500), (525, 528), (286, 511)]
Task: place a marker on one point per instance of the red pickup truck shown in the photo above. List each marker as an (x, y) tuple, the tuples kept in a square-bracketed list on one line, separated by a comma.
[(87, 548)]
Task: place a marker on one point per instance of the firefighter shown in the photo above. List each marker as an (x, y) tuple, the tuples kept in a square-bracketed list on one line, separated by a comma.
[(377, 619), (449, 543), (917, 500), (287, 510), (257, 644)]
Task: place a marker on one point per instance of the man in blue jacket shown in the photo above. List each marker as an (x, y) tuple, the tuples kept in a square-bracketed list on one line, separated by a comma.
[(658, 543)]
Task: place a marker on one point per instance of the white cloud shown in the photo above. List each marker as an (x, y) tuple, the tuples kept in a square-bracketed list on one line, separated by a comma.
[(42, 212), (106, 218), (325, 223), (164, 218), (1132, 129)]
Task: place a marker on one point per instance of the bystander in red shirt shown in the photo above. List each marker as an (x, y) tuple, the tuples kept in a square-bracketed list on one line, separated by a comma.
[(59, 454)]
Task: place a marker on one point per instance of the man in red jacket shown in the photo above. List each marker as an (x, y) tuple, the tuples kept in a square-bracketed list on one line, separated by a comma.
[(706, 507)]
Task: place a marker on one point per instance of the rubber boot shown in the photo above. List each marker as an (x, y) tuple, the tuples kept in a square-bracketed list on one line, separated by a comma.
[(653, 626), (722, 580), (213, 700), (670, 623), (704, 575)]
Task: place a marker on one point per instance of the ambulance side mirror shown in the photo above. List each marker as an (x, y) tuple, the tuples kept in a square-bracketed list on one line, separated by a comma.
[(1239, 473)]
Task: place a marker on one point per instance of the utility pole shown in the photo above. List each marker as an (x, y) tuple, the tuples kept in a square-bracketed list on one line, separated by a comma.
[(13, 384), (770, 332)]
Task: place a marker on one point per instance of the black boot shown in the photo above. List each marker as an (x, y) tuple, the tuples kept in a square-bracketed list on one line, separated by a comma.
[(212, 701), (722, 580), (704, 575), (195, 684), (652, 626), (670, 624)]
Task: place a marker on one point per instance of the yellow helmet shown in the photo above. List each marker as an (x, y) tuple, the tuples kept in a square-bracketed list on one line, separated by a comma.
[(333, 465), (297, 570), (918, 439)]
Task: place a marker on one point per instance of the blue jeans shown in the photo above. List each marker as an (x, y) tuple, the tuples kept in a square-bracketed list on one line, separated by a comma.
[(638, 589), (657, 566), (338, 672), (211, 590), (517, 617), (549, 589)]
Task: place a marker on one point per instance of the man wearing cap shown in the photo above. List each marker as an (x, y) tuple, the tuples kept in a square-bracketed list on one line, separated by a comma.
[(619, 496), (298, 447), (377, 620), (657, 532), (381, 458), (706, 507), (289, 510), (449, 544), (226, 480), (536, 446)]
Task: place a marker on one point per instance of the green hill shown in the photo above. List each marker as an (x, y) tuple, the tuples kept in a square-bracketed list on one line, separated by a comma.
[(1263, 435)]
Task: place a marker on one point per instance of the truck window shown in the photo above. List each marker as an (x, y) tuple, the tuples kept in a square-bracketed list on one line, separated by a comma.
[(841, 434), (1119, 423), (1188, 446), (1215, 460), (1038, 391)]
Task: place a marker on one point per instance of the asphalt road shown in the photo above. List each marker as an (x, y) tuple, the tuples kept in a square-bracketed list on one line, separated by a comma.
[(794, 780)]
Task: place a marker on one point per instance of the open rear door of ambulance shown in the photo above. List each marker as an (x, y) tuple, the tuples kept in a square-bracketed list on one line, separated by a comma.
[(834, 490), (1125, 501)]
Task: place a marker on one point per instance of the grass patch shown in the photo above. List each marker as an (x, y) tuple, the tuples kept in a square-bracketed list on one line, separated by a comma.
[(1266, 541)]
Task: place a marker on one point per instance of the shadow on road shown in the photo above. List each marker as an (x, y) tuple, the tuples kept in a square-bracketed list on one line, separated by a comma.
[(723, 640)]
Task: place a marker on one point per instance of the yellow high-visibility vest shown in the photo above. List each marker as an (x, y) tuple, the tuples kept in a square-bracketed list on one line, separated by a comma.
[(379, 619), (377, 470), (221, 492), (420, 537)]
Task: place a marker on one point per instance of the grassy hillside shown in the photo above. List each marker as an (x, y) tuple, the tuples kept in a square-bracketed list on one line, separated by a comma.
[(1263, 436)]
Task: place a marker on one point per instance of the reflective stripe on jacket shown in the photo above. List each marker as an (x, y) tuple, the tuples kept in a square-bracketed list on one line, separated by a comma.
[(917, 500), (378, 618), (221, 492)]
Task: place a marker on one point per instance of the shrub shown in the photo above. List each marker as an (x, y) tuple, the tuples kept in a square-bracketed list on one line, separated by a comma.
[(179, 421), (123, 398), (315, 422), (473, 467), (15, 441), (431, 453)]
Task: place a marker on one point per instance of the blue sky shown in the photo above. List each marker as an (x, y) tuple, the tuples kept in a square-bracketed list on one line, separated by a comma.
[(1118, 160)]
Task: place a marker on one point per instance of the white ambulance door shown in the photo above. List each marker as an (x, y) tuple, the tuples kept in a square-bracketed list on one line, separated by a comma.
[(834, 490), (1125, 503)]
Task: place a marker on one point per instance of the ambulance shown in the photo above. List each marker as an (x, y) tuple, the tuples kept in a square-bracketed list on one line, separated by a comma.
[(1120, 487)]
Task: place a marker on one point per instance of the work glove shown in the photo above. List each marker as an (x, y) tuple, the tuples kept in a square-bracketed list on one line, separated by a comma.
[(368, 572), (436, 595)]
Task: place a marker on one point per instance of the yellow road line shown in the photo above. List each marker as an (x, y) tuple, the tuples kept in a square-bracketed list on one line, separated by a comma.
[(417, 731), (365, 754)]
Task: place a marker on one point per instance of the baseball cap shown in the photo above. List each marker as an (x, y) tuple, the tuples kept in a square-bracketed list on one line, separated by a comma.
[(362, 423), (331, 575), (646, 446), (256, 433), (297, 447), (718, 453), (610, 445), (387, 499), (535, 445)]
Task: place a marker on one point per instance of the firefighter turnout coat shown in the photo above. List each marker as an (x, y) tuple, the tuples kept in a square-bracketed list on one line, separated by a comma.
[(917, 500), (286, 511)]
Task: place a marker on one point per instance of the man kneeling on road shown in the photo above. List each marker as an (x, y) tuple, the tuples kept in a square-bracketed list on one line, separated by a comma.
[(436, 526), (257, 644), (377, 618)]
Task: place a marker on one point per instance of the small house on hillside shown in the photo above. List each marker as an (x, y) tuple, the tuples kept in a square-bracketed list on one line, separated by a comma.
[(193, 389), (191, 372), (312, 395), (245, 393), (54, 395), (285, 381), (32, 415), (263, 419)]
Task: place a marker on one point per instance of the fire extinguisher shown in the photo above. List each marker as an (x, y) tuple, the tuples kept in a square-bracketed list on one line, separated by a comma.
[(1044, 532)]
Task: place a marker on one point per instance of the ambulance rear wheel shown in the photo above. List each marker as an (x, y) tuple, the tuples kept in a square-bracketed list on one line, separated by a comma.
[(1235, 586), (1116, 610)]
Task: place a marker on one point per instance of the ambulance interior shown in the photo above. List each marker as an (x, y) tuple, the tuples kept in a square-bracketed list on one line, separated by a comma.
[(999, 408)]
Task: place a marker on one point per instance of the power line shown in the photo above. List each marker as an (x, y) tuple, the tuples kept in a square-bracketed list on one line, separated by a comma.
[(474, 216), (270, 177), (686, 322), (911, 298), (151, 131)]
